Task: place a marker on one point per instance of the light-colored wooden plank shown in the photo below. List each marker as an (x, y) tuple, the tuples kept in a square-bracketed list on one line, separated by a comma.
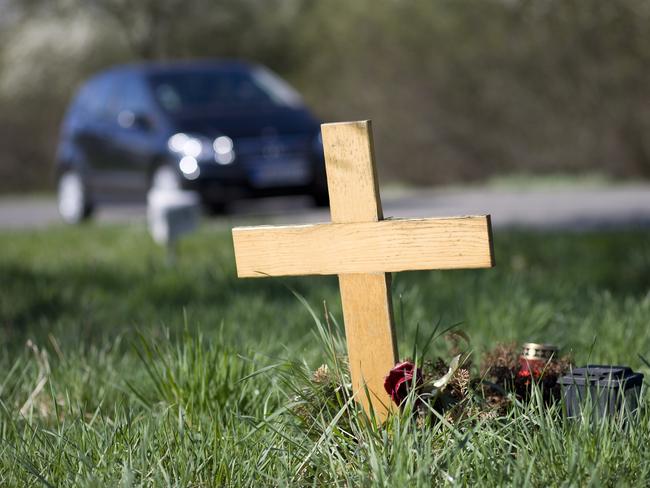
[(366, 298), (370, 335), (364, 247), (351, 174)]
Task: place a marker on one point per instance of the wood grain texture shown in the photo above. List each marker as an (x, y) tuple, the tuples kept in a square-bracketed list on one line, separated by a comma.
[(351, 175), (365, 247), (366, 298), (370, 335)]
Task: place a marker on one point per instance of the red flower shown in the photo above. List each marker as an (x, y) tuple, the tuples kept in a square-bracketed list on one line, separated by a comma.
[(400, 379)]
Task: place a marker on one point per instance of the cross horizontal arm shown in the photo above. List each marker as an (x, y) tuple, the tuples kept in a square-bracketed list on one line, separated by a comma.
[(364, 247)]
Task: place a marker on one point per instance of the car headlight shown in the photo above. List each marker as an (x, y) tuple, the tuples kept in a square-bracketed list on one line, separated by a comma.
[(223, 150), (200, 148), (189, 167)]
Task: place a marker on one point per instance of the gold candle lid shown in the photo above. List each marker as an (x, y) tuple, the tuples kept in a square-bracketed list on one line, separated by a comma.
[(532, 350)]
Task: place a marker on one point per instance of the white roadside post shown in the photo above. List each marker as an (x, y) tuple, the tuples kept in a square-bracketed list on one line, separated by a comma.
[(171, 213)]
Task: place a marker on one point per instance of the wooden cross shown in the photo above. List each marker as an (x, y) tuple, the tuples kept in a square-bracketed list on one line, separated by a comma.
[(362, 249)]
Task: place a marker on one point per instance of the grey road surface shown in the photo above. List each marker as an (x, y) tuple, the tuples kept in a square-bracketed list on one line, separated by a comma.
[(543, 208)]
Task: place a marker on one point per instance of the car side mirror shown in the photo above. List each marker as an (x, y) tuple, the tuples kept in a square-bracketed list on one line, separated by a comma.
[(134, 120)]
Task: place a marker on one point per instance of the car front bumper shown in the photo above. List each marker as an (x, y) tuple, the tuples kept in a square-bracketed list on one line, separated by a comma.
[(225, 183)]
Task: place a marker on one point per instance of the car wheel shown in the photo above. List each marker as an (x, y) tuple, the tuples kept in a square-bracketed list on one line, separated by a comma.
[(72, 198)]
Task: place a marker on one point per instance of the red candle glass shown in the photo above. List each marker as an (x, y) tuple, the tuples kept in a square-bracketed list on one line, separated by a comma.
[(534, 357)]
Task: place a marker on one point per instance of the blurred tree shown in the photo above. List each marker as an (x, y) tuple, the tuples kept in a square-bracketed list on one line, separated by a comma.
[(146, 25)]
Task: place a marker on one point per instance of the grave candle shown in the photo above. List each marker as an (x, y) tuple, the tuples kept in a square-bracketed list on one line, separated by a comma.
[(534, 357)]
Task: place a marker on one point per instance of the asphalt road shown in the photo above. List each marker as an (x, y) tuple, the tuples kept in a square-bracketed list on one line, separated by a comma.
[(577, 208)]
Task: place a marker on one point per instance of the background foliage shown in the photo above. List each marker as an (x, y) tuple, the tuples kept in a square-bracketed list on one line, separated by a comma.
[(458, 90)]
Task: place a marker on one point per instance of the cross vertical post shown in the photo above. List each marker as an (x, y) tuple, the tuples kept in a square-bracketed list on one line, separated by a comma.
[(365, 297)]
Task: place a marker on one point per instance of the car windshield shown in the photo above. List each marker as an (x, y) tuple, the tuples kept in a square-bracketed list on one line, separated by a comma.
[(200, 89)]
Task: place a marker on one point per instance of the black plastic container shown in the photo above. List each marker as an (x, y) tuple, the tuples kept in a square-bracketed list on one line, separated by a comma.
[(608, 390)]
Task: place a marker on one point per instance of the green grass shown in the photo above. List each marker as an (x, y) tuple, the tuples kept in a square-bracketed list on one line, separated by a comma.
[(122, 371)]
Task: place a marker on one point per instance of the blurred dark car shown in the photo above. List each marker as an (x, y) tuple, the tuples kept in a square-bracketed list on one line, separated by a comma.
[(227, 130)]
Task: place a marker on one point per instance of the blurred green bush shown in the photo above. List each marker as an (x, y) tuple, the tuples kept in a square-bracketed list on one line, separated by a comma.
[(458, 89)]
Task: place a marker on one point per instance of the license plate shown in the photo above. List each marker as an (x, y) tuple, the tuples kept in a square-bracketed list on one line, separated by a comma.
[(280, 172)]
